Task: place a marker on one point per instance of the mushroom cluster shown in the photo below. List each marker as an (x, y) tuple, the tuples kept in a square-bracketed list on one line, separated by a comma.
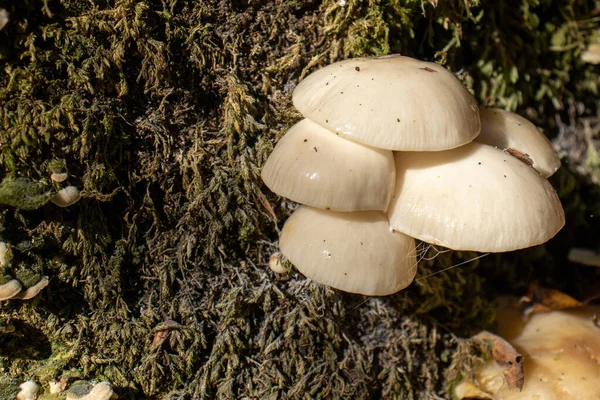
[(390, 150)]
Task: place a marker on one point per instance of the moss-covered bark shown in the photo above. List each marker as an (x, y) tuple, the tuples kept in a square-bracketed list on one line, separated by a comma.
[(163, 112)]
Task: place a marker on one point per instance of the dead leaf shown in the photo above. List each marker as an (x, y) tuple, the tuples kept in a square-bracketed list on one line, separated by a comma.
[(163, 332), (540, 299), (505, 355)]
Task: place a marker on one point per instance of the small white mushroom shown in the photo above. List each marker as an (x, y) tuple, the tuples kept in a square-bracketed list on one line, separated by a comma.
[(28, 391), (354, 252), (4, 18), (4, 255), (33, 290), (9, 289), (313, 166), (474, 197), (592, 54), (59, 177), (66, 196), (56, 386), (276, 265), (510, 131), (392, 102), (100, 391)]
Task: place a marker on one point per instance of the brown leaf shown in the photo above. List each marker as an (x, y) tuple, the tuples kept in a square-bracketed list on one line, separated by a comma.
[(540, 299), (163, 332), (506, 356)]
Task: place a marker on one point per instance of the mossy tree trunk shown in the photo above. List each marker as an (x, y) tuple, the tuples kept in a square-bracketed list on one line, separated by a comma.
[(162, 113)]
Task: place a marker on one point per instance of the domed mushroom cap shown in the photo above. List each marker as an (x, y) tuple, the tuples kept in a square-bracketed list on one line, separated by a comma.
[(393, 102), (9, 289), (32, 291), (474, 197), (28, 390), (354, 252), (313, 166), (507, 130), (66, 197)]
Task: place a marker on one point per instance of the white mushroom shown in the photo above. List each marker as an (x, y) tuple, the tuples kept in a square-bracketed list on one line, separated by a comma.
[(9, 289), (510, 131), (474, 197), (59, 177), (66, 196), (4, 18), (100, 391), (591, 54), (32, 291), (313, 166), (354, 252), (392, 102), (276, 265), (28, 391), (56, 386), (4, 255)]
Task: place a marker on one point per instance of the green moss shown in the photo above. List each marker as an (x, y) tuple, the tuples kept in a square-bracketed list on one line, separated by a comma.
[(164, 113), (467, 356), (27, 277), (23, 193), (9, 388), (5, 278)]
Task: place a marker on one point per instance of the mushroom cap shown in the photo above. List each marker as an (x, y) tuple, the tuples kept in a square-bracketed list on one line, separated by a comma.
[(5, 254), (354, 252), (560, 352), (59, 177), (9, 289), (32, 291), (313, 166), (28, 390), (99, 391), (66, 197), (393, 102), (505, 129), (473, 197), (276, 265)]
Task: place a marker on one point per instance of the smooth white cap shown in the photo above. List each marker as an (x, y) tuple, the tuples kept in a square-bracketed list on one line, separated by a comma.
[(393, 102), (9, 289), (4, 254), (32, 291), (313, 166), (28, 390), (355, 252), (66, 197), (474, 197), (506, 130), (100, 391)]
